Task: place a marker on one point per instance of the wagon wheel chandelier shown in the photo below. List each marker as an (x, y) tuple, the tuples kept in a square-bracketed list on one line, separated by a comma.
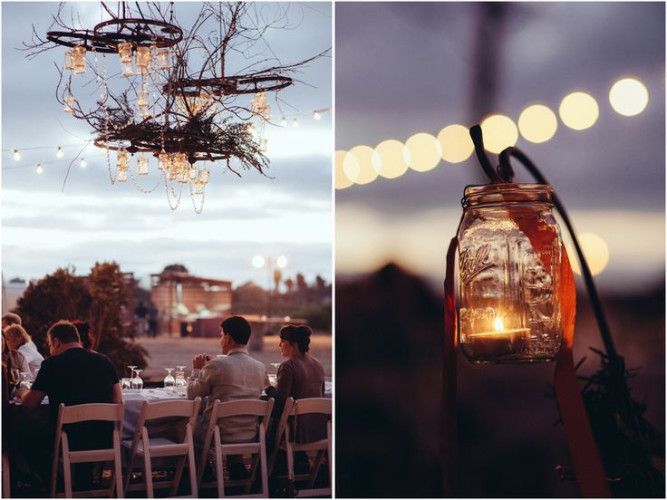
[(148, 106)]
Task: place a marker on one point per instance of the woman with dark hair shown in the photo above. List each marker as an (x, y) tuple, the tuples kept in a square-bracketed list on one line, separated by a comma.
[(301, 376)]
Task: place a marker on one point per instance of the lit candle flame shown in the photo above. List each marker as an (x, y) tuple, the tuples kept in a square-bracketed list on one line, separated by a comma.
[(498, 324)]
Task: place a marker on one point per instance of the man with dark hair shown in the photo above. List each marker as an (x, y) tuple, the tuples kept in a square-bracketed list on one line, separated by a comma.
[(234, 376), (74, 376)]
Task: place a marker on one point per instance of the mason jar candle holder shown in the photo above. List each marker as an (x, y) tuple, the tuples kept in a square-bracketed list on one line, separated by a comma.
[(510, 250)]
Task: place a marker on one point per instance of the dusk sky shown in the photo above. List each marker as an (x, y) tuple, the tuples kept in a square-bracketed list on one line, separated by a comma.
[(416, 74), (46, 225)]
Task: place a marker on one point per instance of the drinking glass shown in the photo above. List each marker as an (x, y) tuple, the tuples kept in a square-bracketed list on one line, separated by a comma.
[(126, 384), (169, 380), (180, 382), (137, 382)]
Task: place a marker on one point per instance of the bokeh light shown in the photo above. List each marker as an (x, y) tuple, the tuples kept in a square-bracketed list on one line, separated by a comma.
[(537, 123), (359, 165), (595, 250), (579, 110), (392, 158), (424, 152), (499, 132), (341, 179), (258, 261), (455, 143), (628, 97)]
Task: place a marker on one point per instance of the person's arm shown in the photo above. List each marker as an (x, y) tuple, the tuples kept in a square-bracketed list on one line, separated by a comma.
[(117, 396), (283, 387), (30, 399), (198, 384)]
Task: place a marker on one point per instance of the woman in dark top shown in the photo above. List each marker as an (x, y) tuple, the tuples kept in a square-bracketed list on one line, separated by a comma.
[(301, 376)]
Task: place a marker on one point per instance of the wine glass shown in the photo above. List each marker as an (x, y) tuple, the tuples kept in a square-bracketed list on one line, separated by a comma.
[(169, 380), (126, 384), (137, 382)]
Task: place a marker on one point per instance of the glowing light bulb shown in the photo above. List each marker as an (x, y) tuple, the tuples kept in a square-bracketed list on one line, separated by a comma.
[(16, 155), (39, 168), (628, 97), (317, 115), (59, 152), (498, 324), (295, 123), (283, 122), (83, 163), (281, 261)]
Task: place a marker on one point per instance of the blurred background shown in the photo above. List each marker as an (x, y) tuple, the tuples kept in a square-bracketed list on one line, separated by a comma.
[(580, 88)]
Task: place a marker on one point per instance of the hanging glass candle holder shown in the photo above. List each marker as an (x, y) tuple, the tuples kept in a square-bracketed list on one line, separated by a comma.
[(70, 102), (79, 60), (69, 60), (163, 160), (509, 273), (143, 59), (122, 176), (163, 58), (203, 175), (125, 52), (122, 160), (198, 187), (142, 165)]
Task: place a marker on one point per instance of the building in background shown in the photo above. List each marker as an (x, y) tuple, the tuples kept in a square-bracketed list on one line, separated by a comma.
[(181, 299), (11, 292)]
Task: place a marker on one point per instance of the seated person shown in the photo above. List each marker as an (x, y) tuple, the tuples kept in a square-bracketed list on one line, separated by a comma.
[(13, 364), (18, 340), (234, 376), (301, 376), (74, 376)]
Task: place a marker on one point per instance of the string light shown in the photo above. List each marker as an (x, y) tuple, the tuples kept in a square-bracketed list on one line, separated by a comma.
[(317, 115), (83, 163), (295, 123), (59, 152), (537, 123), (16, 155), (39, 168), (283, 122)]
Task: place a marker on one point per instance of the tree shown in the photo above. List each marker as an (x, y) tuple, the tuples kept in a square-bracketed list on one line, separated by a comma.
[(60, 295), (97, 299), (107, 291)]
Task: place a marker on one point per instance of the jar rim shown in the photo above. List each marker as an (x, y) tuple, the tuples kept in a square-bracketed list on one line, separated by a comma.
[(506, 192)]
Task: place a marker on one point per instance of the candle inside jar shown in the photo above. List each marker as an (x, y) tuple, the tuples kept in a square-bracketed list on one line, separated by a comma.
[(500, 342)]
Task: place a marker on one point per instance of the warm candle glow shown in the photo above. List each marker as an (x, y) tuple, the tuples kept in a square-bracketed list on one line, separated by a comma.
[(498, 324)]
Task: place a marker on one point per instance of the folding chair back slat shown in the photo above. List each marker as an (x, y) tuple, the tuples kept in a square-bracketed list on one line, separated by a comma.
[(213, 443), (142, 445), (309, 406), (85, 413)]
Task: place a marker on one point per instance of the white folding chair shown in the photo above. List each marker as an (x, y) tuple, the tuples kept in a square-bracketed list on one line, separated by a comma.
[(86, 413), (142, 445), (304, 407), (261, 411)]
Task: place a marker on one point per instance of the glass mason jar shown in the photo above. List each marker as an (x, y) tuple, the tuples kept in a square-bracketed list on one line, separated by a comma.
[(510, 249)]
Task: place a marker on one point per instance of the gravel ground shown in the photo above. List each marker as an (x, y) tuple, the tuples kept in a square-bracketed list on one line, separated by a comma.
[(165, 351)]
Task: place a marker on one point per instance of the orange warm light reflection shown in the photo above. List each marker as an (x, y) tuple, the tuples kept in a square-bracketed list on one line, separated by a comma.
[(595, 250), (424, 152), (579, 110), (628, 97), (538, 123), (455, 143), (500, 132), (392, 157)]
